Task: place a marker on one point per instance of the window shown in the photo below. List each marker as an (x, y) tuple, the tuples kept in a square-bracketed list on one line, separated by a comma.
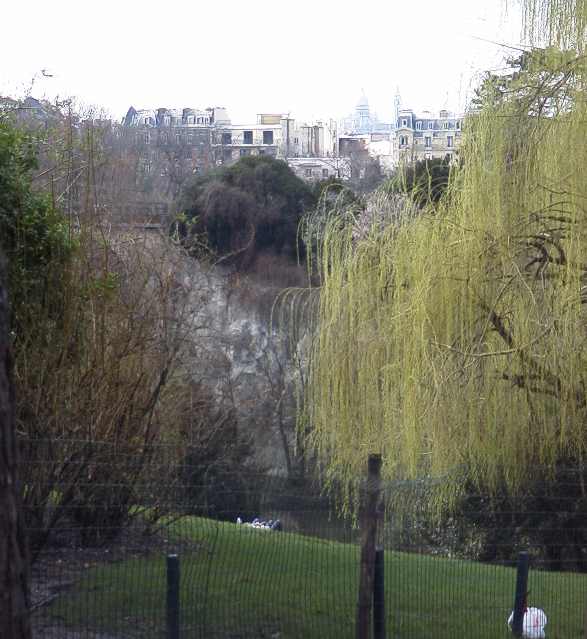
[(430, 125), (445, 125), (244, 152), (324, 173), (419, 125), (178, 138), (261, 151), (296, 141), (227, 138), (190, 138), (428, 141), (404, 122), (308, 172), (247, 137), (163, 138), (458, 125), (449, 141), (403, 140), (267, 137)]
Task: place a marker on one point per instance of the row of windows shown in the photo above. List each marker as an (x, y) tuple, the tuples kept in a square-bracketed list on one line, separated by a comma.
[(192, 119), (145, 138), (248, 137), (169, 120), (446, 124), (404, 141), (164, 138), (308, 173), (242, 152)]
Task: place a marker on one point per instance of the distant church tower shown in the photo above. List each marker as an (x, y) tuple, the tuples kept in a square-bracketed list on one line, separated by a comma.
[(397, 105)]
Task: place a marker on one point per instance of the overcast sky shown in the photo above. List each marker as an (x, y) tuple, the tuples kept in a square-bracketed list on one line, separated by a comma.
[(310, 58)]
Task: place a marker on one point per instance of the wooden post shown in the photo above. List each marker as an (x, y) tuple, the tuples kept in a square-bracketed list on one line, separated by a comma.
[(379, 594), (172, 597), (370, 495), (521, 592)]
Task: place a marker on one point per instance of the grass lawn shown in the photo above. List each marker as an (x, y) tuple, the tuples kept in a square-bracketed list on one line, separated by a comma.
[(240, 582)]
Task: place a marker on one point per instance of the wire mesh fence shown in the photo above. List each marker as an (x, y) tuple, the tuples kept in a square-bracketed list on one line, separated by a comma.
[(102, 525)]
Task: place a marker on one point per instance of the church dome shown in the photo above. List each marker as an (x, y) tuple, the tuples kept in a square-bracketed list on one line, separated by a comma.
[(362, 102)]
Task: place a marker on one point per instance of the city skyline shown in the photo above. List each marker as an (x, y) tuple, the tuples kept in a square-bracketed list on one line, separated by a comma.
[(312, 62)]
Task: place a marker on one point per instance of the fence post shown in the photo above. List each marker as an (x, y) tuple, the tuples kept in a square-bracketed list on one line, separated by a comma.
[(521, 594), (172, 597), (379, 595), (368, 523)]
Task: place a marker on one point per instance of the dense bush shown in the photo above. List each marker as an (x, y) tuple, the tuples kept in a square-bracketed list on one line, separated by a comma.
[(251, 207)]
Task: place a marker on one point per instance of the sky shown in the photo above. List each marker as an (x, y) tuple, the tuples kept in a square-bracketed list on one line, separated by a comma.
[(308, 58)]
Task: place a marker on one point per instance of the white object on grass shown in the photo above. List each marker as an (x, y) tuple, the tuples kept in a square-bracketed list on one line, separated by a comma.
[(533, 624)]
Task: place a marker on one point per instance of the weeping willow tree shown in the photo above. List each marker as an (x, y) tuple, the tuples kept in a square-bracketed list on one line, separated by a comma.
[(453, 342)]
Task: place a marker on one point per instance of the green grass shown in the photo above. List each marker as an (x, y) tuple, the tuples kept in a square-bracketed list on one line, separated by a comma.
[(240, 582)]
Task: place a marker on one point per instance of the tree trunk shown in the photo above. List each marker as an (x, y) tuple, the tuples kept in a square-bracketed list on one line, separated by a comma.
[(14, 614)]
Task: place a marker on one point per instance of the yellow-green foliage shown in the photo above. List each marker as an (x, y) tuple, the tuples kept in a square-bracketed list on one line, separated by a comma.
[(556, 22), (454, 343)]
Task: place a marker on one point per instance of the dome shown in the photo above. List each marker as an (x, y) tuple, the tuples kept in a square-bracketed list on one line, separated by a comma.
[(362, 102)]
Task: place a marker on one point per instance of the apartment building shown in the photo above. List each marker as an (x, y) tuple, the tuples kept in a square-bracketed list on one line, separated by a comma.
[(211, 133), (272, 134), (427, 136)]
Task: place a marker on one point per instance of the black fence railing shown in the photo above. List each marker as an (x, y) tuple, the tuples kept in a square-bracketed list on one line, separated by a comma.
[(139, 545)]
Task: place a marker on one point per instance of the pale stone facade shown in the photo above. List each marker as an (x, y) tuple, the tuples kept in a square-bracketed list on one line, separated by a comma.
[(276, 135), (272, 135), (426, 136)]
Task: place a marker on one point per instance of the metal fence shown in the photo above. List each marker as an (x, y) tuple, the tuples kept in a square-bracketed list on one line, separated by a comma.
[(142, 545)]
